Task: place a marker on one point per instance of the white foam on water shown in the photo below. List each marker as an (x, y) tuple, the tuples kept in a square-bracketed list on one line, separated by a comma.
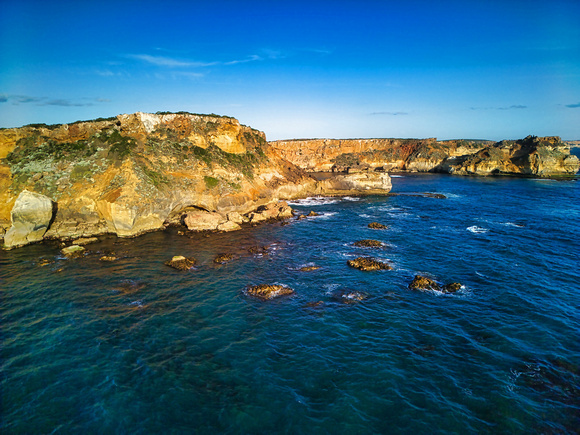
[(314, 201), (397, 176), (350, 198), (513, 224), (477, 230)]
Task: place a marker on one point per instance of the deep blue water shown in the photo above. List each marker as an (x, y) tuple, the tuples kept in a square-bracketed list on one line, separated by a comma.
[(136, 347)]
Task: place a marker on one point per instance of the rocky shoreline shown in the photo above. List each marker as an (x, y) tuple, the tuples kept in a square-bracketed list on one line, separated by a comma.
[(143, 172), (132, 174)]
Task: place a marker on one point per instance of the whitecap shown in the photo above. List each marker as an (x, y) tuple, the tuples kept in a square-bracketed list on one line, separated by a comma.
[(513, 224), (350, 198), (477, 230), (397, 176)]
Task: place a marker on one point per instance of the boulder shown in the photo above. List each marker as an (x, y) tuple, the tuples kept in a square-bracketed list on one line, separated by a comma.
[(368, 264), (368, 243), (377, 226), (201, 220), (228, 226), (223, 258), (235, 217), (313, 214), (31, 216), (452, 287), (73, 251), (423, 283), (269, 291), (180, 262)]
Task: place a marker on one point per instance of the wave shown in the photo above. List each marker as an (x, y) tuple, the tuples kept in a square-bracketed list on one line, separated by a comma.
[(314, 201), (477, 230)]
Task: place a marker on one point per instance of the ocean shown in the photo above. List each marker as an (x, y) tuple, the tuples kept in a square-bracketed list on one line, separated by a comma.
[(135, 347)]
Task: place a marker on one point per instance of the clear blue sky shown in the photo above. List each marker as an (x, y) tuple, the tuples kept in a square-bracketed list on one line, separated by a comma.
[(448, 69)]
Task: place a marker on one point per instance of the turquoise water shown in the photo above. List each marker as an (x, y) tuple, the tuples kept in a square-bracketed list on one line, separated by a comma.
[(136, 347)]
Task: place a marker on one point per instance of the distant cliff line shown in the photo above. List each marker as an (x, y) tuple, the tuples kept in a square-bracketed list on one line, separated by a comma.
[(532, 156)]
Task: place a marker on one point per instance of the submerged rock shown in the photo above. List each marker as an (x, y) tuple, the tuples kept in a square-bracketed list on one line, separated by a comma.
[(269, 291), (368, 264), (263, 250), (180, 262), (308, 268), (223, 258), (350, 296), (108, 258), (73, 251), (369, 243), (423, 283), (86, 240), (377, 226)]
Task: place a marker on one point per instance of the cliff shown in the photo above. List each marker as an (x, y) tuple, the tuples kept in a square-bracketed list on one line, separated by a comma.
[(140, 172), (537, 156)]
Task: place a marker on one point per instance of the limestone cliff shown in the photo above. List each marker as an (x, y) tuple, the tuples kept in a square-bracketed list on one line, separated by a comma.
[(537, 156), (136, 173)]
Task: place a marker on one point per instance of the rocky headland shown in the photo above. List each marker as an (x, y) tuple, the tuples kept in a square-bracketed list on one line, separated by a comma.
[(142, 172), (532, 156)]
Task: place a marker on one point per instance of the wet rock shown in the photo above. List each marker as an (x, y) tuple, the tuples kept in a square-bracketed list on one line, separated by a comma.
[(368, 264), (200, 220), (272, 211), (377, 226), (31, 217), (44, 262), (368, 243), (263, 250), (423, 283), (108, 258), (269, 291), (73, 251), (85, 240), (434, 195), (228, 226), (223, 258), (452, 287), (302, 216), (312, 214), (350, 296), (180, 262), (308, 268)]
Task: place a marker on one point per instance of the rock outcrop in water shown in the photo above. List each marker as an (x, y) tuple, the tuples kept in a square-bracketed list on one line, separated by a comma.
[(141, 172), (534, 156)]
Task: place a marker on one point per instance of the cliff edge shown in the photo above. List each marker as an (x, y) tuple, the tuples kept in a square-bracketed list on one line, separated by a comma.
[(140, 172), (532, 156)]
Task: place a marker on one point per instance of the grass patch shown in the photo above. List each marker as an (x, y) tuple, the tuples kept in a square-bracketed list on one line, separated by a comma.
[(210, 182)]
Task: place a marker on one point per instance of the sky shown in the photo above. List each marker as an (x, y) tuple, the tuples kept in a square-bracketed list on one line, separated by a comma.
[(300, 69)]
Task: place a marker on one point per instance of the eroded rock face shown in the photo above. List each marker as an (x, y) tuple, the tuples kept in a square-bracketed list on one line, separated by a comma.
[(538, 156), (358, 183), (31, 216)]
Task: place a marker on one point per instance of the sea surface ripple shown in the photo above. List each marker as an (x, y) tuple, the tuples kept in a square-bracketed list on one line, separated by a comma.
[(133, 346)]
